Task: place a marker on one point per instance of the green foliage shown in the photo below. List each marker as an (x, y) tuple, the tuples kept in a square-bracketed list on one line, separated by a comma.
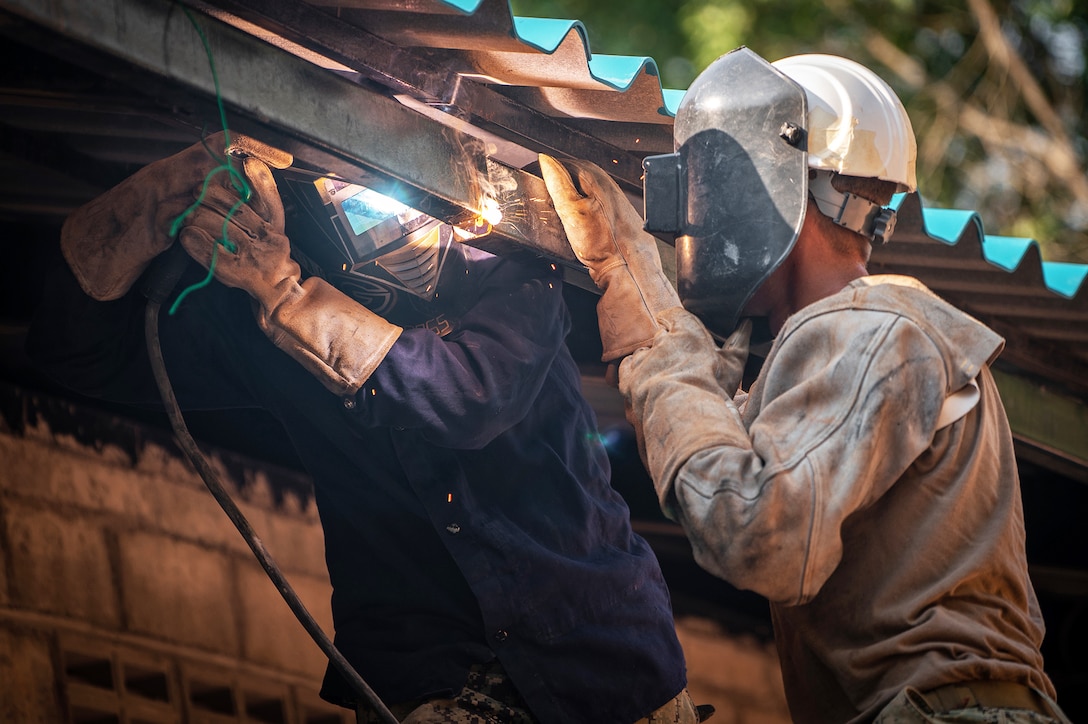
[(999, 115)]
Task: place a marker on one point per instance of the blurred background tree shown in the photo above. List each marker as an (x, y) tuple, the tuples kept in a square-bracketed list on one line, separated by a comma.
[(995, 88)]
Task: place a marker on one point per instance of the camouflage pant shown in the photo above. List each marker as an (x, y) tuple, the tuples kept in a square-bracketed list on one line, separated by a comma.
[(489, 698), (912, 707)]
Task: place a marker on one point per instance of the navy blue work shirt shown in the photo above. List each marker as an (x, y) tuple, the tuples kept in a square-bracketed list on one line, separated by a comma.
[(464, 492)]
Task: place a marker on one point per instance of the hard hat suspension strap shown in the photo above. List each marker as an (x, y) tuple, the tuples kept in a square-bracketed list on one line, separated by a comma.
[(873, 221)]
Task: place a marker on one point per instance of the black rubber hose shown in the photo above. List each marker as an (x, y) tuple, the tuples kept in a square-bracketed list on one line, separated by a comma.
[(158, 284)]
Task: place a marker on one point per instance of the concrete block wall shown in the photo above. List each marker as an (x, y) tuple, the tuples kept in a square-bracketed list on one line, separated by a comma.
[(112, 549), (116, 554), (141, 547)]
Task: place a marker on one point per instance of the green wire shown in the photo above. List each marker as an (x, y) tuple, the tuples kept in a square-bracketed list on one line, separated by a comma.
[(237, 178)]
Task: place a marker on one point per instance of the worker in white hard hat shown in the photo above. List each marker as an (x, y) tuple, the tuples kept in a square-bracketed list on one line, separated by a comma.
[(865, 482)]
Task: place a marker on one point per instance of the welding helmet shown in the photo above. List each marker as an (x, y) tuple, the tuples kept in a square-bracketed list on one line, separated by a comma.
[(770, 123), (389, 257), (733, 194)]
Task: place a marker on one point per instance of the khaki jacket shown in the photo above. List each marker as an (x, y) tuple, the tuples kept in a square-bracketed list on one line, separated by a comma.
[(866, 485)]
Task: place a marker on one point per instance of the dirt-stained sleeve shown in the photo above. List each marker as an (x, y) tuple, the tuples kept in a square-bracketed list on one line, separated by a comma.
[(844, 409)]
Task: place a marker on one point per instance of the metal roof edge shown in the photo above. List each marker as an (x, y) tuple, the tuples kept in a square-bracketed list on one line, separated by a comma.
[(955, 226), (949, 226), (616, 71), (468, 7), (547, 34)]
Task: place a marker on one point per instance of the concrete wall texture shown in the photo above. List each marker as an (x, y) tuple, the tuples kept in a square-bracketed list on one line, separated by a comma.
[(127, 595)]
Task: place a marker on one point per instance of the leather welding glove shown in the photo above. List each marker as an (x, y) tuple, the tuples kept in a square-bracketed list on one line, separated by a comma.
[(109, 241), (605, 232), (331, 335), (685, 376)]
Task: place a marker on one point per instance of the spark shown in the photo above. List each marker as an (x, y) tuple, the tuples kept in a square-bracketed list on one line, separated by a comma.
[(490, 211), (488, 215)]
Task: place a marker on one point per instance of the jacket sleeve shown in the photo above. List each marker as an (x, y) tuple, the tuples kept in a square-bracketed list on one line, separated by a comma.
[(99, 349), (845, 410), (464, 389)]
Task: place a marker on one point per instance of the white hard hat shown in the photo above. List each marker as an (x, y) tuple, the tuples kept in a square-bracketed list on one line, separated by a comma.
[(857, 125)]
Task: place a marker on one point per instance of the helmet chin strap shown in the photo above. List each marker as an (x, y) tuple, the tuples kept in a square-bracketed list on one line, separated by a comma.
[(873, 221)]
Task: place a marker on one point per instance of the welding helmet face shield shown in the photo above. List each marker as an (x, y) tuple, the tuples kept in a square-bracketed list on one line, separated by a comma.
[(734, 193), (389, 257)]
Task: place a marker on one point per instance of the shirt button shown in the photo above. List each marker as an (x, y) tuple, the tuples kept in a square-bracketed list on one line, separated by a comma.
[(501, 635), (453, 528), (349, 403)]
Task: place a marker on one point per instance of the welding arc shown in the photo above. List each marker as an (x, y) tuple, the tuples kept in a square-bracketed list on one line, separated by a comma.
[(168, 278)]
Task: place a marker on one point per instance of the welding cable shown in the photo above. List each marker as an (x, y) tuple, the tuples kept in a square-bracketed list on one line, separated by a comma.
[(159, 282), (237, 179)]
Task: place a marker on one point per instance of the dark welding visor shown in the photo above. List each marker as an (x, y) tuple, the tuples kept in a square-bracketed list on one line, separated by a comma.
[(733, 194)]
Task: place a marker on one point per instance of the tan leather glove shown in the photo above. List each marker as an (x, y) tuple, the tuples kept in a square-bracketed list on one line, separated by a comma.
[(671, 390), (109, 241), (606, 234), (337, 339)]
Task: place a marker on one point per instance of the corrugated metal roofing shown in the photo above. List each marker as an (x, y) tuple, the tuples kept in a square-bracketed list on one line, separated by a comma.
[(559, 96), (548, 64), (551, 66)]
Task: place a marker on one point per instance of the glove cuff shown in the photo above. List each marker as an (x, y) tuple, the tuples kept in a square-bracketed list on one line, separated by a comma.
[(110, 240), (339, 341), (679, 378), (627, 312)]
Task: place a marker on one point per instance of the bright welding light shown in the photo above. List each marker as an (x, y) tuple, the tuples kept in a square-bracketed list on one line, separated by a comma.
[(486, 217), (490, 211)]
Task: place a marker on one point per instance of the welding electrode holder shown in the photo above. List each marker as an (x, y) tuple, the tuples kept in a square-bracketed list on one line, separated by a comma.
[(158, 282)]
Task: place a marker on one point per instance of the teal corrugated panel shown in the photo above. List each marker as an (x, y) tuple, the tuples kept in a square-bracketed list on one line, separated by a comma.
[(545, 34), (672, 100), (466, 6), (1007, 252), (1064, 277), (949, 225), (619, 71)]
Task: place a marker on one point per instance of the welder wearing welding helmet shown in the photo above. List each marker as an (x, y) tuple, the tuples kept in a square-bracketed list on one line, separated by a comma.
[(400, 263), (865, 482), (482, 566)]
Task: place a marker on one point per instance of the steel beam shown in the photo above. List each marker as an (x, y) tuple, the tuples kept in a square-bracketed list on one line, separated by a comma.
[(406, 72), (330, 123)]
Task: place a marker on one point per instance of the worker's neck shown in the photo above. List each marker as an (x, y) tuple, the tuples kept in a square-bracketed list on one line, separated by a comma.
[(813, 271)]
